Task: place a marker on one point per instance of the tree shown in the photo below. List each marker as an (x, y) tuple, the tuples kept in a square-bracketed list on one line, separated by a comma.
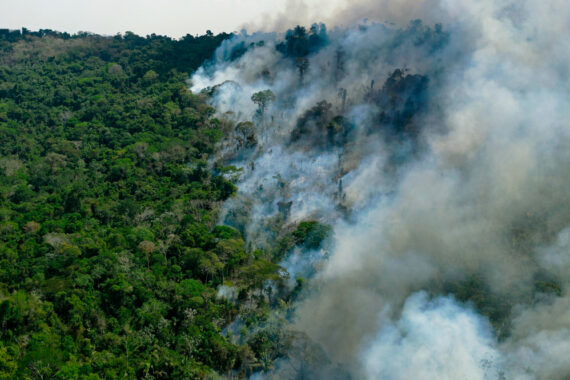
[(302, 64), (8, 364), (245, 135), (262, 98), (147, 247)]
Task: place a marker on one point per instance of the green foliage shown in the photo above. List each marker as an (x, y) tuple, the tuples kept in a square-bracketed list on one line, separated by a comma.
[(262, 98), (226, 232), (311, 234), (109, 254), (8, 362)]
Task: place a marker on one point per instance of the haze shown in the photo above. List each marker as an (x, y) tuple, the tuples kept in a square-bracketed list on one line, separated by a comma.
[(174, 18)]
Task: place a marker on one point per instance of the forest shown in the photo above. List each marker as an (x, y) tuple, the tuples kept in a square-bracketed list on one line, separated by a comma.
[(111, 255), (372, 201)]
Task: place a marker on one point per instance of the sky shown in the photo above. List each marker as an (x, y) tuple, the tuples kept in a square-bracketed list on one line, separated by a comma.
[(174, 18)]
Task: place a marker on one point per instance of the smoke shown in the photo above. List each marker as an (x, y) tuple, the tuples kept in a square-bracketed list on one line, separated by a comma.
[(440, 156), (432, 340), (345, 13)]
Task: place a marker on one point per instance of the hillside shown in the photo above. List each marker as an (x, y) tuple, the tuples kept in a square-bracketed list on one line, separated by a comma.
[(110, 253), (370, 201)]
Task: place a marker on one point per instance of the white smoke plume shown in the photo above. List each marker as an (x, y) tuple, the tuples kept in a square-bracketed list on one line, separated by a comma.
[(447, 178), (432, 340)]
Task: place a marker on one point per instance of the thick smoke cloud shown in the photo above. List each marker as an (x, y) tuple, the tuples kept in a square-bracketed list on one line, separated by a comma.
[(433, 340), (346, 13), (446, 183)]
